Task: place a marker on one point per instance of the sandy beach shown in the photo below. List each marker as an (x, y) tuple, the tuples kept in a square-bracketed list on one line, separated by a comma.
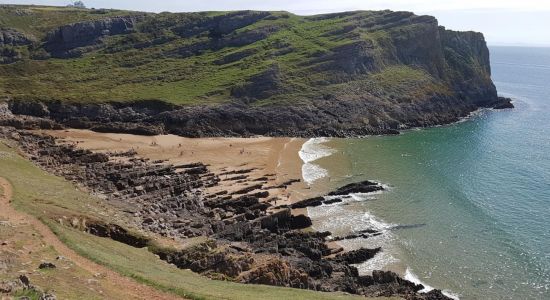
[(276, 159)]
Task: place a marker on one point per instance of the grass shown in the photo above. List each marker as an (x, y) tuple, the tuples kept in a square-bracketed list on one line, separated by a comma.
[(147, 64), (48, 198), (28, 294)]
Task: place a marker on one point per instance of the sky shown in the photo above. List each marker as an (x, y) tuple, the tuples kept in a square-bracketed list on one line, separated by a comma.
[(504, 22)]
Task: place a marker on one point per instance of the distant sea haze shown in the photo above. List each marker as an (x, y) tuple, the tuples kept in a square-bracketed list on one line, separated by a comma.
[(478, 192)]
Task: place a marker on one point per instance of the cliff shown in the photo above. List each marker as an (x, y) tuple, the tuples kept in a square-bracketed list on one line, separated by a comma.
[(242, 73)]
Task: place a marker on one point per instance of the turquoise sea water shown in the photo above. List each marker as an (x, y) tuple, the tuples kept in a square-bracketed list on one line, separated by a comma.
[(477, 192)]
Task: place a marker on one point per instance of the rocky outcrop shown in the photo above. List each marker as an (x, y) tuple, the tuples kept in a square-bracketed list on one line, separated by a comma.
[(219, 41), (10, 40), (7, 118), (12, 37), (71, 40), (215, 26), (504, 103), (359, 187), (357, 256)]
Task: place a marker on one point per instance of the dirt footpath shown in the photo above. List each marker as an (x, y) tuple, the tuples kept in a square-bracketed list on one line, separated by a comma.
[(131, 288)]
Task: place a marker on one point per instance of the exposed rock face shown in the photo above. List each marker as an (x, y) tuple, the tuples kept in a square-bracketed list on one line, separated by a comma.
[(217, 26), (9, 40), (12, 37), (68, 40), (323, 119), (24, 122), (505, 103)]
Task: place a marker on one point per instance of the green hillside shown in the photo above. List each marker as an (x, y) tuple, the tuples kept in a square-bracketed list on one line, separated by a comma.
[(216, 57)]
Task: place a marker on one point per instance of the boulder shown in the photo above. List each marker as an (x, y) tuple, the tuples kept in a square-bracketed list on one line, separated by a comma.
[(359, 187), (46, 265)]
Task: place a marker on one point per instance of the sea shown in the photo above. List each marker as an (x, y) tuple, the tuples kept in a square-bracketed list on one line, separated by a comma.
[(467, 206)]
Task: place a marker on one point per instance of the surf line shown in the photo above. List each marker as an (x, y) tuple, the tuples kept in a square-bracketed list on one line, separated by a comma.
[(312, 150)]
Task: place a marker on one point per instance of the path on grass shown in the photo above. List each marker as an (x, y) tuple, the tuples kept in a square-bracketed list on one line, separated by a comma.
[(134, 289)]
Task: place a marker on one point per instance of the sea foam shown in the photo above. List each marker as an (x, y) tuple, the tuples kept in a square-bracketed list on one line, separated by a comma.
[(346, 217), (410, 276), (311, 151)]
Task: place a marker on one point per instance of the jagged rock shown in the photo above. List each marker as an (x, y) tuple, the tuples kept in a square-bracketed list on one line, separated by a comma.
[(300, 222), (12, 37), (359, 187), (366, 233), (357, 256), (503, 103), (276, 272), (311, 202)]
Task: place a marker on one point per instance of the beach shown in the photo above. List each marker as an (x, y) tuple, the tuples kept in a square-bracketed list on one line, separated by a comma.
[(277, 159)]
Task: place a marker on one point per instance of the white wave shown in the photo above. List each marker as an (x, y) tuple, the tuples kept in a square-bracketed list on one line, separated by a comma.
[(357, 197), (364, 196), (311, 151), (342, 219), (376, 223), (410, 276), (378, 262), (312, 172), (314, 149)]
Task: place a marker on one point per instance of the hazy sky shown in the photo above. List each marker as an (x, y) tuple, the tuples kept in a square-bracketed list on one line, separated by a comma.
[(508, 22)]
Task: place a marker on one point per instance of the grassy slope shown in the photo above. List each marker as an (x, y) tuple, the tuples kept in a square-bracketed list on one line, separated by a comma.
[(119, 72), (46, 196)]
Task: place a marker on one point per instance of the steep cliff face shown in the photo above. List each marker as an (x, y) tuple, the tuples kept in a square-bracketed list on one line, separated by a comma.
[(248, 72), (469, 69)]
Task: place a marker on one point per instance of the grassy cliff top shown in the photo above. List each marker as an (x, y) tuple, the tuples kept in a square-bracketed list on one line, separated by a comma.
[(262, 58)]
